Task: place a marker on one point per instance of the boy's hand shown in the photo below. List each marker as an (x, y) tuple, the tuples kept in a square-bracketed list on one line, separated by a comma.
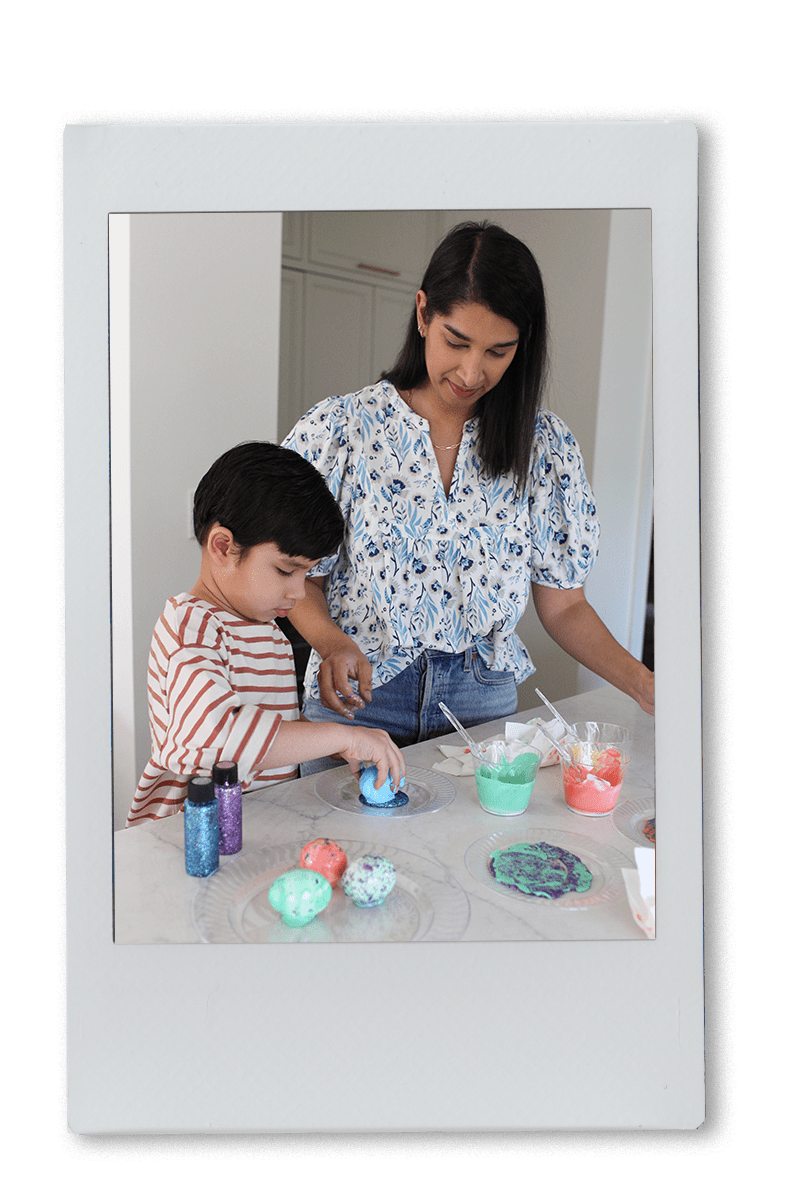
[(334, 679), (373, 745)]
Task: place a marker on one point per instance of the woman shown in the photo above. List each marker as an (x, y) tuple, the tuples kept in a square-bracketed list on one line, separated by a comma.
[(460, 497)]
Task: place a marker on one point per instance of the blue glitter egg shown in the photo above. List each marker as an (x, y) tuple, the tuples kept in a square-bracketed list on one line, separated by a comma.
[(379, 797)]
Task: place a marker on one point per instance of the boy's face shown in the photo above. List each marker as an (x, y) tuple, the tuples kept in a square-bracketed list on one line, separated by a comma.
[(265, 583)]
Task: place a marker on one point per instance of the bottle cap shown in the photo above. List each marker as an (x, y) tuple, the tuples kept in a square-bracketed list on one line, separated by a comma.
[(200, 790), (225, 774)]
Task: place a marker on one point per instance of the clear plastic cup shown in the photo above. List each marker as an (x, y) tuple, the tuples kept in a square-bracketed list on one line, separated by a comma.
[(505, 790), (593, 781)]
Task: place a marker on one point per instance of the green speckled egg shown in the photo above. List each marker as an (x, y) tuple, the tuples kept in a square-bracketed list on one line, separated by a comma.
[(299, 895)]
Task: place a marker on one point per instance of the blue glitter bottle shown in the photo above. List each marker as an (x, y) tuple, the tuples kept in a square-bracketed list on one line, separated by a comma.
[(201, 827), (227, 790)]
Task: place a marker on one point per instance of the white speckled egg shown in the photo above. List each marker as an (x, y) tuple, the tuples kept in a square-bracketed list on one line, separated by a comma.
[(369, 880)]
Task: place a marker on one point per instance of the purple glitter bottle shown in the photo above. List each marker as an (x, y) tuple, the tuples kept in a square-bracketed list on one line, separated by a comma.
[(201, 832), (227, 790)]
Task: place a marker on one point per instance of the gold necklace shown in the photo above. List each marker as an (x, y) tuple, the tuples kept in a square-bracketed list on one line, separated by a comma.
[(407, 398)]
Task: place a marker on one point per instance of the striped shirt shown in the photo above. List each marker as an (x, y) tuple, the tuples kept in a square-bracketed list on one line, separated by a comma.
[(218, 688)]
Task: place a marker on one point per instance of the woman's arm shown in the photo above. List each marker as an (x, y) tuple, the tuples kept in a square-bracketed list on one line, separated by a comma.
[(568, 617), (342, 660)]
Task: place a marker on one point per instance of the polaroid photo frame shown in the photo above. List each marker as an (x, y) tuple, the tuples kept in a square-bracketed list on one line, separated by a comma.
[(445, 1037)]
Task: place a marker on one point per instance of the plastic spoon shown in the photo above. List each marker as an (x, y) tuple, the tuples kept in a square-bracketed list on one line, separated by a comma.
[(557, 745), (473, 746), (558, 716)]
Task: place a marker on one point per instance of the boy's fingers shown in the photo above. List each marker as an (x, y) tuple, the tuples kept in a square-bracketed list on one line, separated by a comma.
[(394, 766)]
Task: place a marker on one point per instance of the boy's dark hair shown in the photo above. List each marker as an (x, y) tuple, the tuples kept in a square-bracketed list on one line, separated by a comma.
[(481, 263), (262, 492)]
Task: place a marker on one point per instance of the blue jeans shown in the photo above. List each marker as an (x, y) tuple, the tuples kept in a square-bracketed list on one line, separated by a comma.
[(407, 706)]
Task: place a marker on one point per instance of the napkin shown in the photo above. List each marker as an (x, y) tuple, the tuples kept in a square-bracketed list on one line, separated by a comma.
[(458, 760), (640, 886)]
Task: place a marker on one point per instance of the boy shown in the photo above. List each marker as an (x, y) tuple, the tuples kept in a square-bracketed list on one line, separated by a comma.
[(221, 680)]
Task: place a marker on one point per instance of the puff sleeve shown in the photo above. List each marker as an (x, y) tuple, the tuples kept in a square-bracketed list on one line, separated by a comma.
[(562, 512)]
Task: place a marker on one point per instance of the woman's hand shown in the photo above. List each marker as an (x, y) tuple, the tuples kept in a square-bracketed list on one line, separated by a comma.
[(335, 674), (373, 745), (342, 660), (644, 689)]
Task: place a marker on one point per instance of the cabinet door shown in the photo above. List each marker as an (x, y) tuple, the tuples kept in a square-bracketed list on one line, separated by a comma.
[(397, 244), (337, 338), (293, 235), (291, 352), (391, 315)]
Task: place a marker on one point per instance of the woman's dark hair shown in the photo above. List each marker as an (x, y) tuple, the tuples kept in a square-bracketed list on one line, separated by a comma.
[(264, 493), (480, 263)]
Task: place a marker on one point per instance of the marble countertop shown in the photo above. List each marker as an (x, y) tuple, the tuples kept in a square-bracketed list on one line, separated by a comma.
[(155, 901)]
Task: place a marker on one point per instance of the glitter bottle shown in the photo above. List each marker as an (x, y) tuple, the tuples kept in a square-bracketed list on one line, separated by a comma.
[(201, 828), (227, 790)]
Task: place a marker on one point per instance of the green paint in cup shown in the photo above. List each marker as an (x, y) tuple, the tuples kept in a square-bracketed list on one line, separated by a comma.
[(505, 790)]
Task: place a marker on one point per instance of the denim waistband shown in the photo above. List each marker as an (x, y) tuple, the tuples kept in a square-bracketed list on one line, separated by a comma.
[(466, 655)]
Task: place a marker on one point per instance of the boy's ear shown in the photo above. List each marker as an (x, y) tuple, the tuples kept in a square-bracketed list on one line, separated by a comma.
[(220, 545)]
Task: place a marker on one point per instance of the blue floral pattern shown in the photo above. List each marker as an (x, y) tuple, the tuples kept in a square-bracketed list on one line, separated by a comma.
[(422, 570)]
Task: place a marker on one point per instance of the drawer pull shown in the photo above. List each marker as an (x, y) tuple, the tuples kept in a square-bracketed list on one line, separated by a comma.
[(382, 270)]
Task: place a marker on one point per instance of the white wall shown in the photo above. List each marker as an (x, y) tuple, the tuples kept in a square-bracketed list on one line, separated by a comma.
[(623, 468), (204, 359)]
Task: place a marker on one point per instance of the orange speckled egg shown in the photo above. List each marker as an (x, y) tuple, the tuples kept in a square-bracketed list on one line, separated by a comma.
[(325, 857)]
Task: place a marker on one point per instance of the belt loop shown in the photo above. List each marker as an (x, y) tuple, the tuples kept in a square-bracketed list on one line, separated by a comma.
[(468, 654)]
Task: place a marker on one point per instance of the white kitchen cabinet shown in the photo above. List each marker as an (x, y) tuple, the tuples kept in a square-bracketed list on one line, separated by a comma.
[(291, 352), (349, 281), (293, 238), (390, 315), (336, 336), (393, 246), (338, 324)]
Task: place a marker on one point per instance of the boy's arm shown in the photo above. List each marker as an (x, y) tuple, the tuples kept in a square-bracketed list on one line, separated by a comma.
[(299, 741), (207, 722), (342, 660)]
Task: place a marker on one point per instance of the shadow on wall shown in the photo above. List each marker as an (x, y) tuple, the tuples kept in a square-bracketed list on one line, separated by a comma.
[(648, 656)]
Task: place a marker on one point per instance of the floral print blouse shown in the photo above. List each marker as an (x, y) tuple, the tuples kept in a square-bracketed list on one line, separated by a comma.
[(422, 570)]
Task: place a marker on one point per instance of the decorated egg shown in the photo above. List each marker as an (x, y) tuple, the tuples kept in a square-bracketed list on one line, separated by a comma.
[(325, 857), (384, 796), (299, 895), (369, 880)]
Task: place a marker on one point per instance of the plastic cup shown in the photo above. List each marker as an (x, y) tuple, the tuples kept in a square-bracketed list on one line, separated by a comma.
[(505, 790), (600, 733), (593, 781)]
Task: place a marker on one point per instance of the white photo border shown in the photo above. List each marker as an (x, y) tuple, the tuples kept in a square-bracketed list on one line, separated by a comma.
[(451, 1037)]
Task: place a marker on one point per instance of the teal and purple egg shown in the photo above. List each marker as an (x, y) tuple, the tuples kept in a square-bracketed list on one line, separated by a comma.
[(369, 880)]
